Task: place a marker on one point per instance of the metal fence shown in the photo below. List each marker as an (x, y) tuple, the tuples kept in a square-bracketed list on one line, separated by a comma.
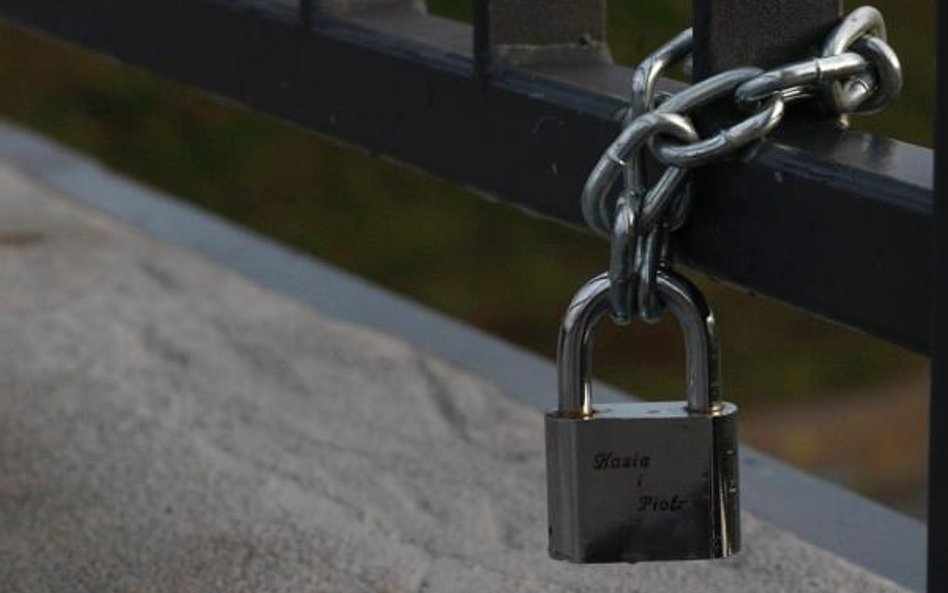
[(522, 104)]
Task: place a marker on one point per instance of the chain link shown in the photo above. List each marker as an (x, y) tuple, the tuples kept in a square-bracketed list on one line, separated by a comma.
[(724, 141), (800, 80), (623, 153), (857, 72), (856, 95), (622, 263)]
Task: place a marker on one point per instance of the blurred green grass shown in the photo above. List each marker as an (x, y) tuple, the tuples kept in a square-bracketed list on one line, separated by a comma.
[(487, 263)]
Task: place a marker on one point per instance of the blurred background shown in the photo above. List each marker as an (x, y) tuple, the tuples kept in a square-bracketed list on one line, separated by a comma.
[(823, 397)]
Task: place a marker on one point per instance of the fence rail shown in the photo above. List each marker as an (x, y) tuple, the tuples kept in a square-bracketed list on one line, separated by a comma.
[(844, 231)]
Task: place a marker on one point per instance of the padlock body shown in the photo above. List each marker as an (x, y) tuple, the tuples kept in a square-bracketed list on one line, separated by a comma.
[(638, 482)]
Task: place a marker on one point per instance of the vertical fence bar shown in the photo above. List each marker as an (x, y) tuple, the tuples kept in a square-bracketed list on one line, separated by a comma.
[(938, 410), (306, 14), (762, 33), (532, 32), (481, 21)]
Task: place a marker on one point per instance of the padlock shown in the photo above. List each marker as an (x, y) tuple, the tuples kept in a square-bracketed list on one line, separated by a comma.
[(633, 482)]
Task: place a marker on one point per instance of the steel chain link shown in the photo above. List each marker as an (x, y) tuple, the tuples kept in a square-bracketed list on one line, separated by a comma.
[(857, 72)]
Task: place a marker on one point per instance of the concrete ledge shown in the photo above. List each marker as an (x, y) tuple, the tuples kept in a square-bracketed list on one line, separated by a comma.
[(168, 425)]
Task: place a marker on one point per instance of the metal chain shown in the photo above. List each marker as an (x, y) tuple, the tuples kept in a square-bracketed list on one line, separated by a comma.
[(856, 72)]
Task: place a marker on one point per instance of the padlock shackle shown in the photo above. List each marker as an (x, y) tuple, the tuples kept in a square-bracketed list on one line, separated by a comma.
[(702, 349), (687, 304)]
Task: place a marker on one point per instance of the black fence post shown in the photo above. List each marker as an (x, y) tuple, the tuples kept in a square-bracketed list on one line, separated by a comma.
[(762, 33), (481, 51), (938, 411), (306, 14), (535, 32)]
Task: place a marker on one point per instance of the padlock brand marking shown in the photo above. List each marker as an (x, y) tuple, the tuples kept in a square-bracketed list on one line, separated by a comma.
[(611, 460)]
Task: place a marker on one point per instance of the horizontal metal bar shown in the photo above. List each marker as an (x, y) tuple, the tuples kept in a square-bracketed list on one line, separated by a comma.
[(834, 222)]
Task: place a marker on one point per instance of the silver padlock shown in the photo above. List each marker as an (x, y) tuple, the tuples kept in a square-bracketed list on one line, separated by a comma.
[(633, 482)]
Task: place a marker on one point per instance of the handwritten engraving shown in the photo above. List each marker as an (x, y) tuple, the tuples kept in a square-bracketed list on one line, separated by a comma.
[(651, 503), (611, 460)]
